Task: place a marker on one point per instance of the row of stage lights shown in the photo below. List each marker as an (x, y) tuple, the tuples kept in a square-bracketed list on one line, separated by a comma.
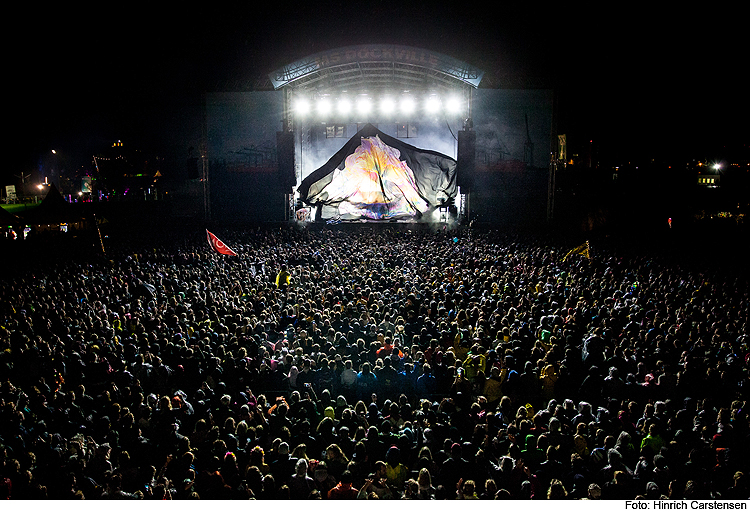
[(363, 106)]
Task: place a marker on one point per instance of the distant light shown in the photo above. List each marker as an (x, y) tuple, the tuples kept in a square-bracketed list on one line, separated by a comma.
[(717, 166), (432, 105), (54, 151)]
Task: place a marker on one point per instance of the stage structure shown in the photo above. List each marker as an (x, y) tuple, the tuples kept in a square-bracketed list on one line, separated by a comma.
[(373, 133)]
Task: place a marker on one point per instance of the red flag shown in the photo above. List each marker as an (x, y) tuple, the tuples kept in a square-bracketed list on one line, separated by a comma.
[(218, 245)]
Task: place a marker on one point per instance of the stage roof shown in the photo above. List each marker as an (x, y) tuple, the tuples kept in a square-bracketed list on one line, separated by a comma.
[(374, 66)]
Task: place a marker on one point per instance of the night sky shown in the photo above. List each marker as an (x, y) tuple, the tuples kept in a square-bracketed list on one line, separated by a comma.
[(639, 84)]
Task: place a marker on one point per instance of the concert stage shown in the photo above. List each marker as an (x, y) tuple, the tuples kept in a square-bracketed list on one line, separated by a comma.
[(376, 133)]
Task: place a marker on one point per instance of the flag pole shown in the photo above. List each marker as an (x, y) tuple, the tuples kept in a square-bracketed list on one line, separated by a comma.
[(101, 240)]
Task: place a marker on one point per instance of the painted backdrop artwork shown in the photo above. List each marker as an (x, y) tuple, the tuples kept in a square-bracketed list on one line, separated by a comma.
[(377, 177), (375, 184)]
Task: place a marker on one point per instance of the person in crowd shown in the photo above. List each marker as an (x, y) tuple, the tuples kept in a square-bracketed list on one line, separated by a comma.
[(432, 368), (344, 489)]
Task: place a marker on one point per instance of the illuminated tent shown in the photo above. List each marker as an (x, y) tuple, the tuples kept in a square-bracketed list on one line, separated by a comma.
[(53, 210), (378, 177)]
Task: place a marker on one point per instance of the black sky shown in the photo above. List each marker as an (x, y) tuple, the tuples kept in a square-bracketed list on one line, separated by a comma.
[(636, 83)]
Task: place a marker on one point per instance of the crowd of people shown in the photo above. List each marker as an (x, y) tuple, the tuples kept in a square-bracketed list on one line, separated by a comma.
[(372, 364)]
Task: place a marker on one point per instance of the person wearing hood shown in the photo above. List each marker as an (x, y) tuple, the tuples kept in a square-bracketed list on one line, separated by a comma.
[(532, 455), (292, 377), (300, 484)]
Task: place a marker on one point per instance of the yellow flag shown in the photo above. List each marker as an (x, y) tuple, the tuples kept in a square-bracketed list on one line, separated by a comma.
[(583, 249)]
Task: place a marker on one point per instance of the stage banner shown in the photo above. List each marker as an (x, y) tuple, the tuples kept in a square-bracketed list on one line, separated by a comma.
[(377, 177)]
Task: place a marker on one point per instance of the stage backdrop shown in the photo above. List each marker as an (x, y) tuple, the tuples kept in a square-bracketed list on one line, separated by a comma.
[(375, 176)]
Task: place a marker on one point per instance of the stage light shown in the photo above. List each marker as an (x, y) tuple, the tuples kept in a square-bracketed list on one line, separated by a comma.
[(302, 107), (387, 106), (364, 105), (324, 107), (407, 105), (344, 106), (432, 105), (453, 105)]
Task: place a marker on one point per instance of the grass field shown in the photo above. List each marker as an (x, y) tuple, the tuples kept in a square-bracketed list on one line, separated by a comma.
[(19, 208)]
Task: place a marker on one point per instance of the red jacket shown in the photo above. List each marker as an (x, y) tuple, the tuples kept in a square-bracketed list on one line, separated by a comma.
[(343, 491)]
